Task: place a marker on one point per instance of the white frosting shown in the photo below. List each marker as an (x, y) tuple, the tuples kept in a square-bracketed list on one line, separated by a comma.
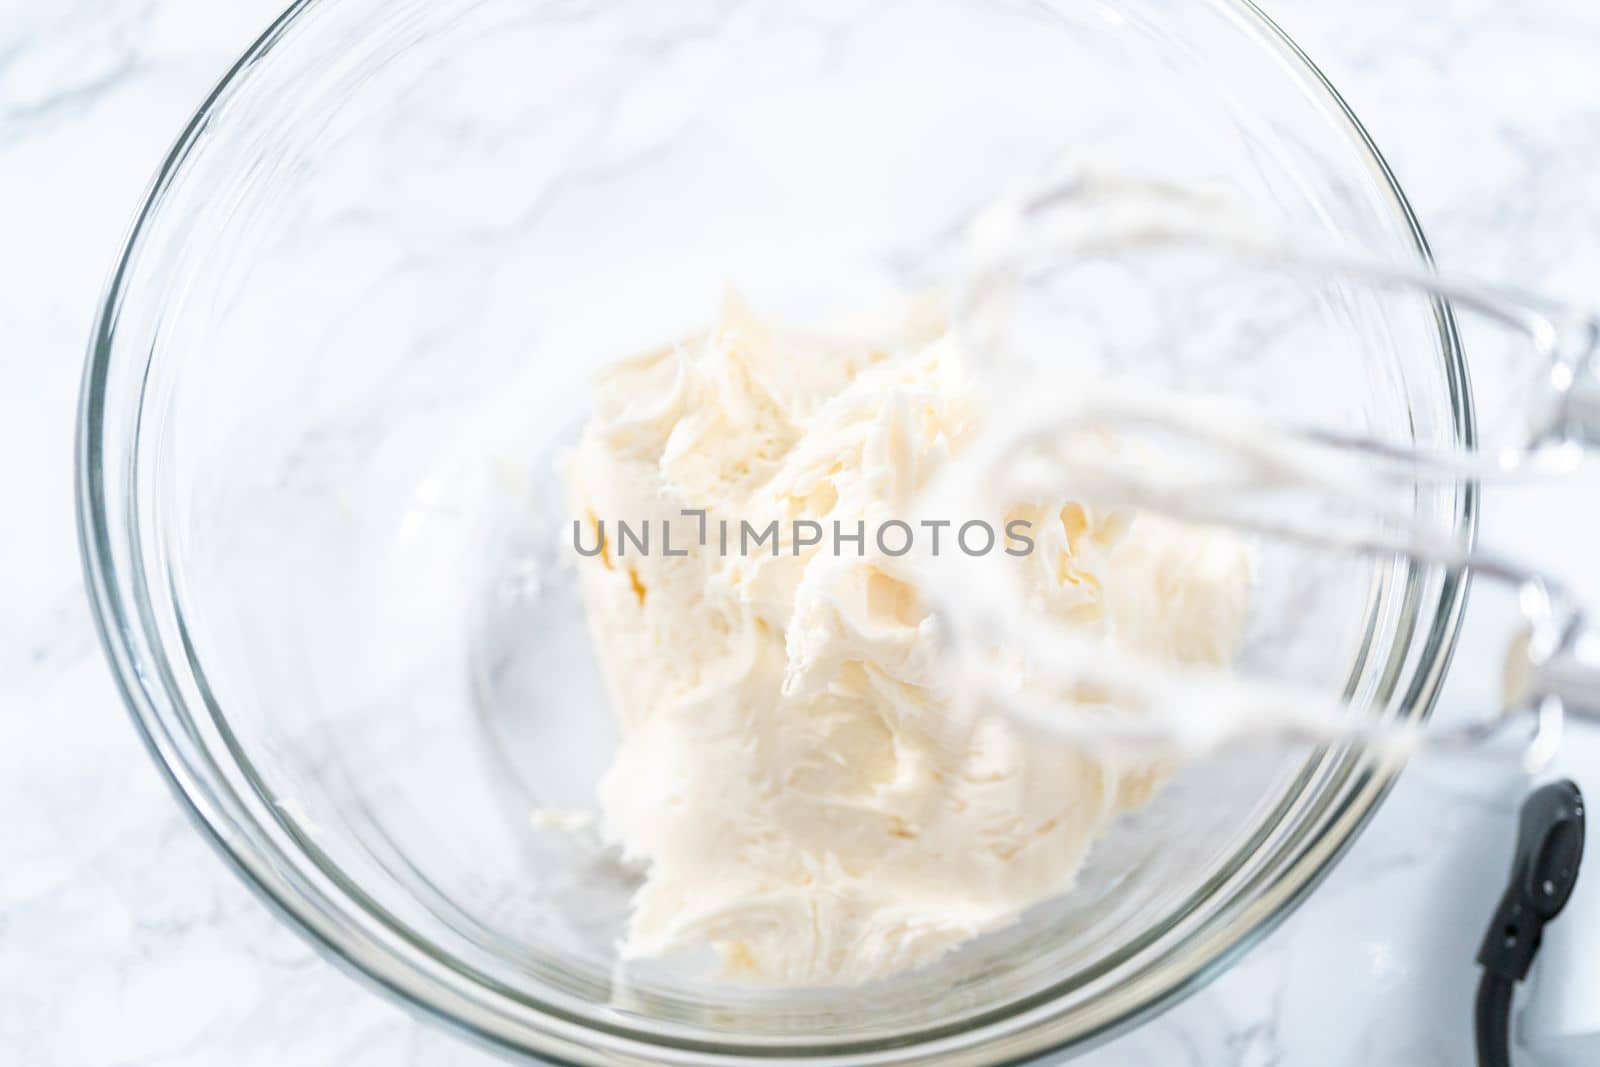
[(798, 776)]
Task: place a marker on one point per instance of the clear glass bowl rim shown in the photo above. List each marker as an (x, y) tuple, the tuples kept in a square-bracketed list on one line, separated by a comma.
[(390, 957)]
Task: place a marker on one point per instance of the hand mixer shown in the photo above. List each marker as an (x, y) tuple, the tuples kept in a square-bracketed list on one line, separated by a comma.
[(1218, 457)]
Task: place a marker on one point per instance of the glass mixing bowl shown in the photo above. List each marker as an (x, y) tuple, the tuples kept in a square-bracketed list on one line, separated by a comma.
[(351, 331)]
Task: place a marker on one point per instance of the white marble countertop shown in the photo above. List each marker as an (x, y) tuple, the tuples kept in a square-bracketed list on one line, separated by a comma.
[(124, 940)]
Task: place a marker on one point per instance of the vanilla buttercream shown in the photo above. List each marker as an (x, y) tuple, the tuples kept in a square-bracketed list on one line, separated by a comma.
[(794, 776)]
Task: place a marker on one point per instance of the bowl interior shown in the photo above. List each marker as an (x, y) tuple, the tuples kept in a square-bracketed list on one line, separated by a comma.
[(355, 331)]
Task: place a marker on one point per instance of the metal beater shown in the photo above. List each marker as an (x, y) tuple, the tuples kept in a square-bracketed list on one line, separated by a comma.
[(1546, 677)]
